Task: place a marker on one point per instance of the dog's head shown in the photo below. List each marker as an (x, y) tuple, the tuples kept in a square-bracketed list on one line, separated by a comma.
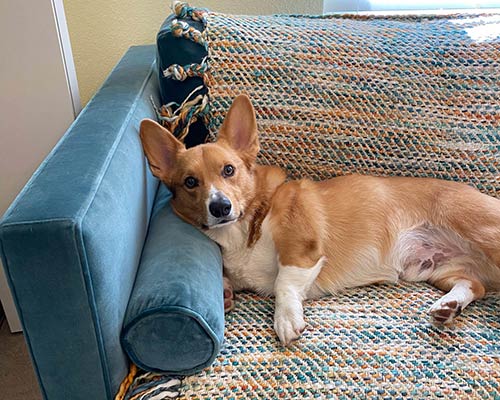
[(211, 183)]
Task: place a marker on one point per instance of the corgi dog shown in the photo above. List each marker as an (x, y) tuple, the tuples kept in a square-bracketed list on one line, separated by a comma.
[(302, 239)]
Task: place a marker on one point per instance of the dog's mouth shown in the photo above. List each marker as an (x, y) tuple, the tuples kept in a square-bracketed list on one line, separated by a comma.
[(223, 222)]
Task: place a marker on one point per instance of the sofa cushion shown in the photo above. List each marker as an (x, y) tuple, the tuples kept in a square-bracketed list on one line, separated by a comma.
[(175, 317)]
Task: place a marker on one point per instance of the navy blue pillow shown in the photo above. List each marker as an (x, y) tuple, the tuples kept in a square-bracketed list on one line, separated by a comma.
[(178, 50)]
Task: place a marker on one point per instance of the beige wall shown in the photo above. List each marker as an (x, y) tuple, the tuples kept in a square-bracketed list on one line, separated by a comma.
[(101, 31)]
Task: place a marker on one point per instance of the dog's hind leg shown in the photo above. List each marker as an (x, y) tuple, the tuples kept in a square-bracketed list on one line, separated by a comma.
[(461, 292), (446, 260), (475, 218)]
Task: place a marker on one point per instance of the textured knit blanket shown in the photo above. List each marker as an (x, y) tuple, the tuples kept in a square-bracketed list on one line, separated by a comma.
[(369, 343), (387, 96), (411, 96)]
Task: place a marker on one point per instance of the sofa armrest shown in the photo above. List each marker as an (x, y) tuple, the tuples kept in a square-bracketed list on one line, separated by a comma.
[(72, 239)]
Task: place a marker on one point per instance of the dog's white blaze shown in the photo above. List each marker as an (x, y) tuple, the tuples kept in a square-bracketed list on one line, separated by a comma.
[(212, 193), (291, 288), (211, 196)]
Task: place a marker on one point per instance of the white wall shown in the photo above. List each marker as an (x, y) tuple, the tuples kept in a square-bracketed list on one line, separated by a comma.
[(36, 103)]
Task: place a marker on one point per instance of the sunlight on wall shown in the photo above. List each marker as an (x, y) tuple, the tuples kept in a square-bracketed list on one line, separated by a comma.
[(488, 30)]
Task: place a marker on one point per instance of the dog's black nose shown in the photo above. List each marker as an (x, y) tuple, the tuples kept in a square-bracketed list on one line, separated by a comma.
[(221, 207)]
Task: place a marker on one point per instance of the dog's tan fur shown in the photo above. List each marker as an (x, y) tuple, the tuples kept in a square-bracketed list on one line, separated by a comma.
[(303, 239)]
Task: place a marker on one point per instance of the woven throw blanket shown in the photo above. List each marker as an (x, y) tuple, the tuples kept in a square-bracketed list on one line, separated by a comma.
[(368, 343), (405, 96), (337, 95)]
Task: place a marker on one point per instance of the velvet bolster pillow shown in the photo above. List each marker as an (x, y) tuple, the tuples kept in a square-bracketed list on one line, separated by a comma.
[(175, 317)]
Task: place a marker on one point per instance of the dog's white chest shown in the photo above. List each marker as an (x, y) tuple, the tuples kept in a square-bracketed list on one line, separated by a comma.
[(253, 268)]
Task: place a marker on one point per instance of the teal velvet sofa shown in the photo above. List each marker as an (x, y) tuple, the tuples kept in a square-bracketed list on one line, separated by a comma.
[(98, 264), (73, 241)]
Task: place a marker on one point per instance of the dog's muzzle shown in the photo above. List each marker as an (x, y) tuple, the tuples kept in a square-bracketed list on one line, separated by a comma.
[(220, 211)]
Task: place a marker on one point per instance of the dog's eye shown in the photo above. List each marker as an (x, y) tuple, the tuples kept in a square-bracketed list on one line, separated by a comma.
[(191, 182), (228, 171)]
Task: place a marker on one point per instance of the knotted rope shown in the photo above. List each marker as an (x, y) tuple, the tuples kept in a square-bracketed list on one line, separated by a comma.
[(182, 28), (182, 72), (178, 118), (125, 385), (184, 10)]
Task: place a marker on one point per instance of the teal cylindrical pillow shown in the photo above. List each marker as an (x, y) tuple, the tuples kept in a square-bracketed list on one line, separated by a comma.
[(175, 316)]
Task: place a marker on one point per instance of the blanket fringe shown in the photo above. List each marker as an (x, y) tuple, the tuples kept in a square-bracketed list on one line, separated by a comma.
[(124, 386)]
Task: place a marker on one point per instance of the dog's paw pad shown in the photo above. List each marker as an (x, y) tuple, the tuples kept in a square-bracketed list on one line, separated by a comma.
[(229, 302), (229, 305), (443, 312)]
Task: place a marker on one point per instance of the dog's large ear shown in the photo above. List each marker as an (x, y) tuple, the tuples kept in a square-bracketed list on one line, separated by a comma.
[(160, 146), (239, 129)]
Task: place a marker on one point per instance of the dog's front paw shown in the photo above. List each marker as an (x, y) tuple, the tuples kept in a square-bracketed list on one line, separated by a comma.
[(288, 324), (228, 295), (443, 311)]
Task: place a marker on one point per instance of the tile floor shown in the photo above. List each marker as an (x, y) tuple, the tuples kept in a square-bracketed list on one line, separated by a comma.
[(17, 379)]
